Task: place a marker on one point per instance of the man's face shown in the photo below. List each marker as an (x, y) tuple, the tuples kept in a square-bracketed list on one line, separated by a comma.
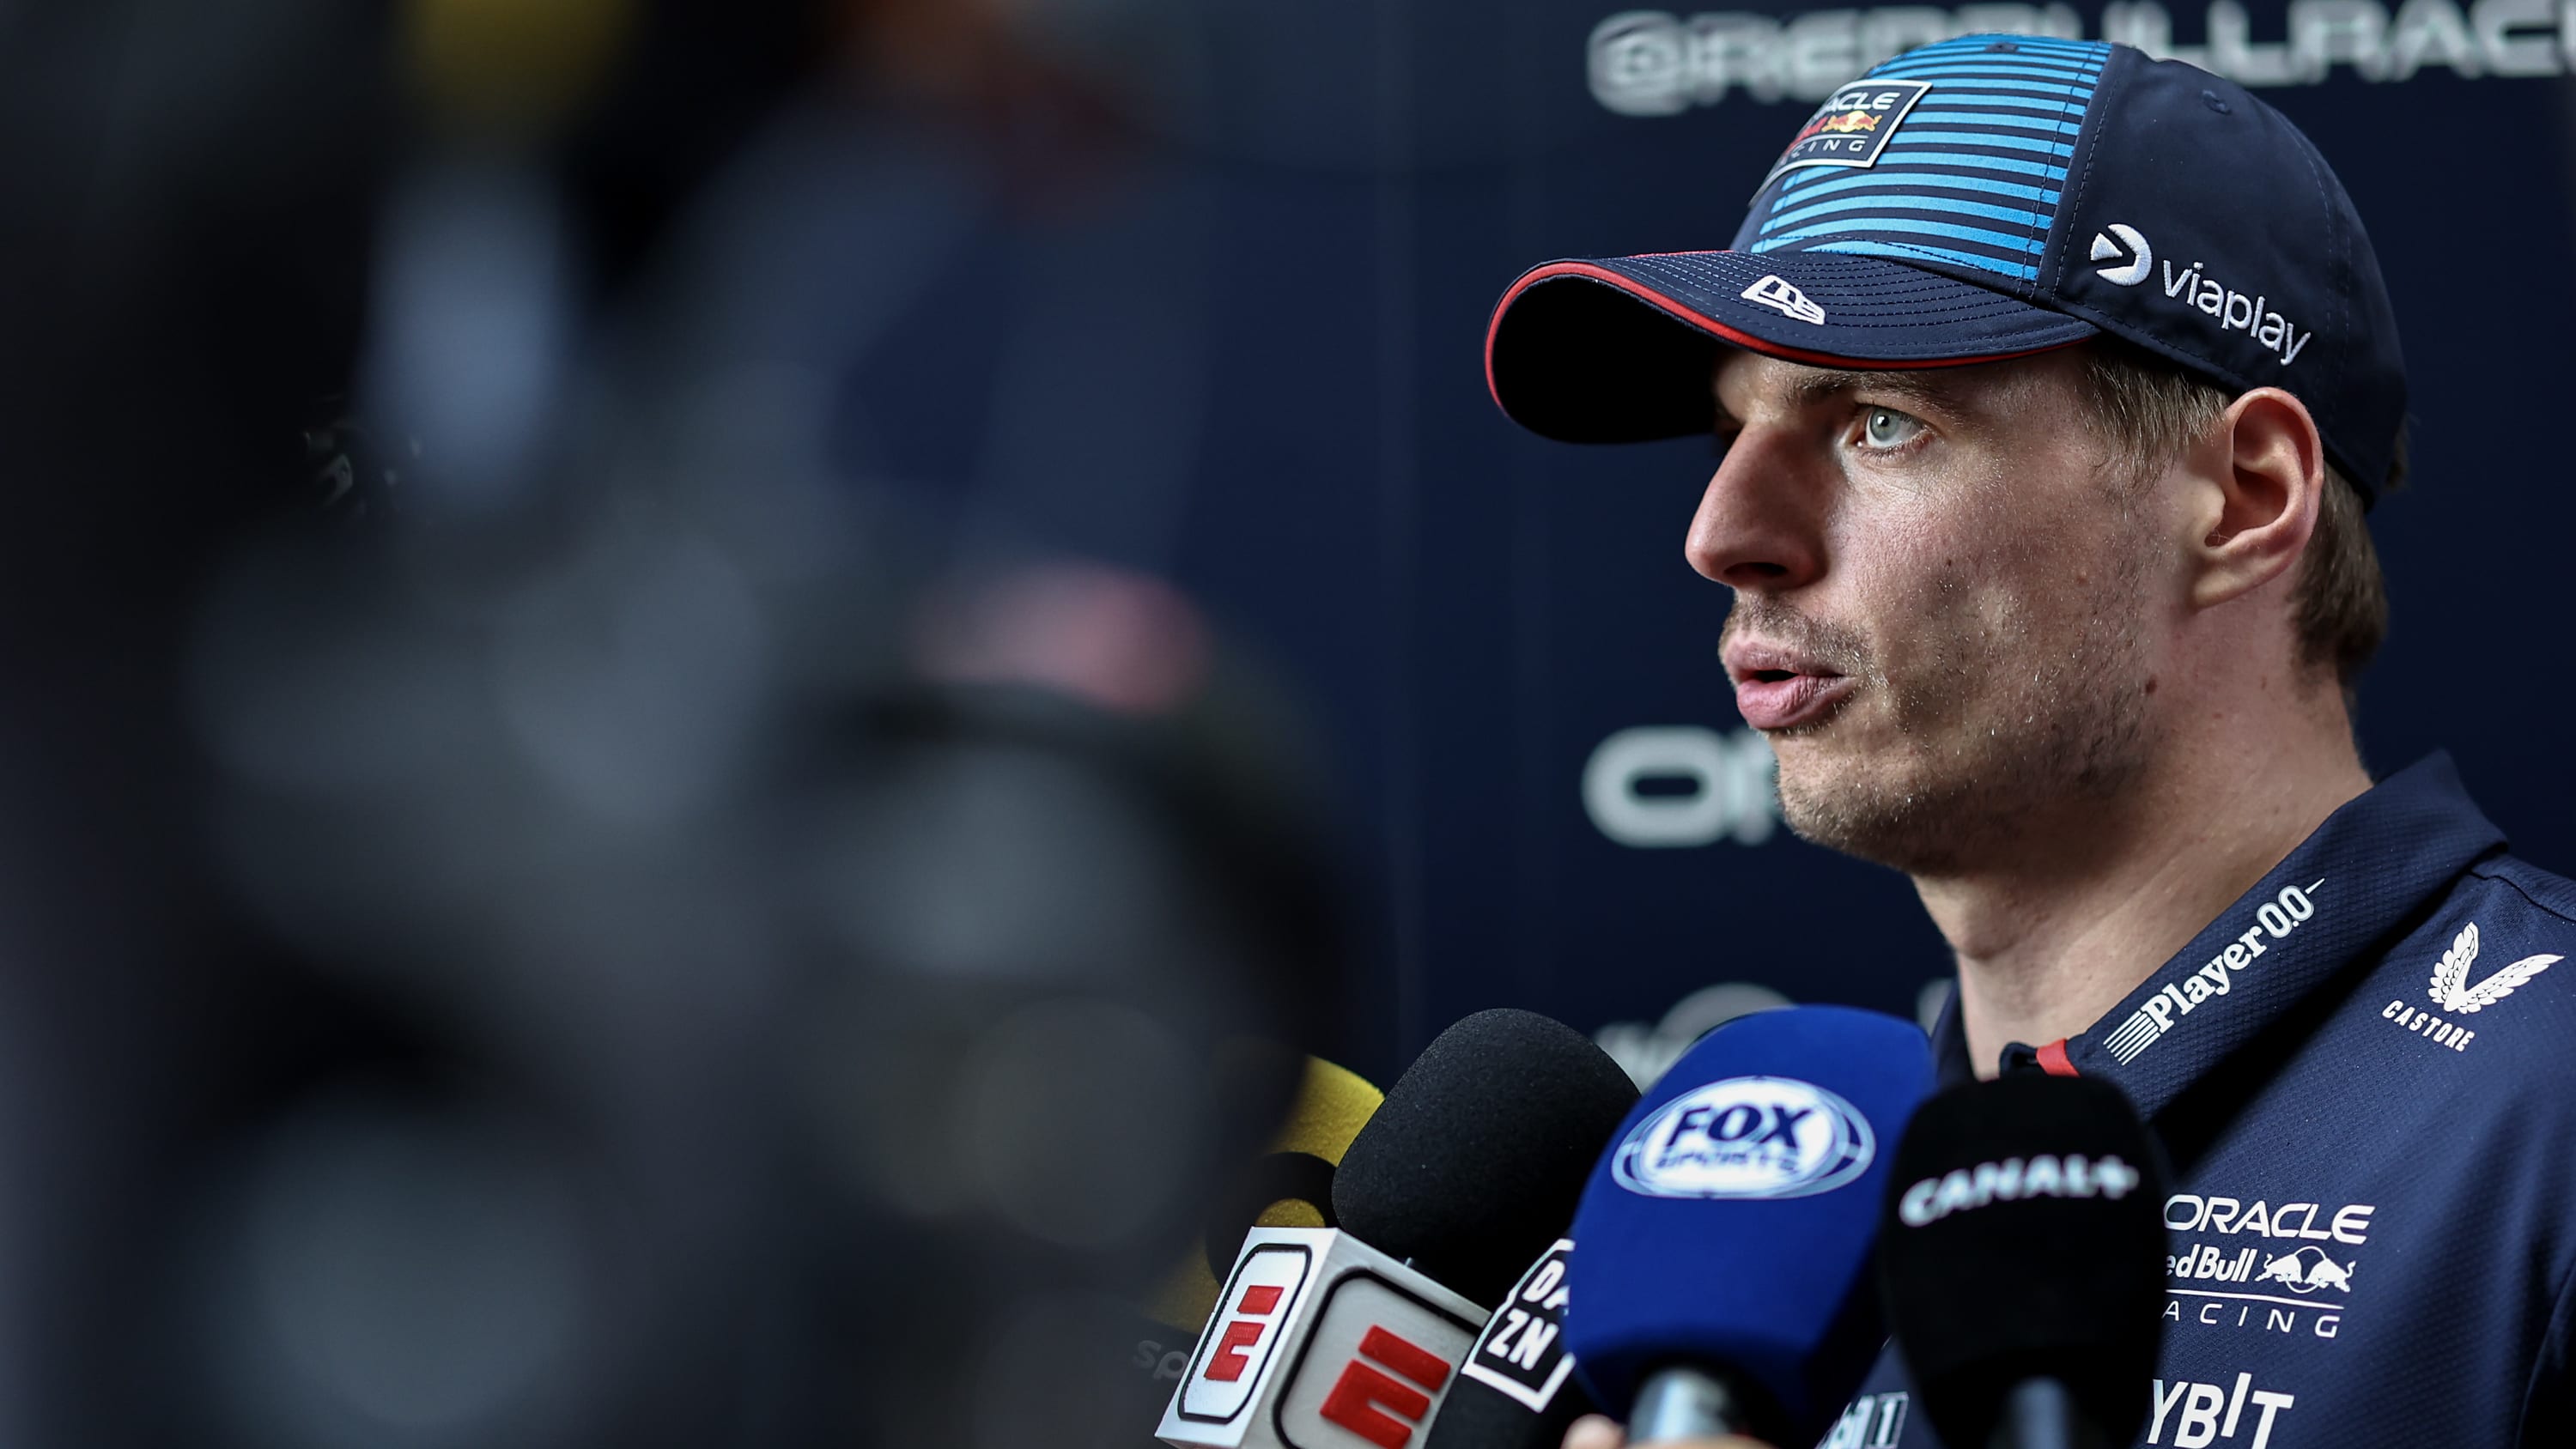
[(1948, 601)]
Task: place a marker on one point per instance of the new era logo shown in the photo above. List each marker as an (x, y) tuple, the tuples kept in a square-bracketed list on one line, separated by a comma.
[(1779, 296)]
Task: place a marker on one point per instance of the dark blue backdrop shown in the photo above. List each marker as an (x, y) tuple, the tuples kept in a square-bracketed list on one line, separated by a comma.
[(1248, 357)]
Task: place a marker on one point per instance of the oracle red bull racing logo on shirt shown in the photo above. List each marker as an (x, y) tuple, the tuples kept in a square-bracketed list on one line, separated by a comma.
[(2261, 1266), (2274, 920)]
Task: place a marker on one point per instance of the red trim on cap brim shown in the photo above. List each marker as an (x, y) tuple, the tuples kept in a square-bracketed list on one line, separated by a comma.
[(1723, 332)]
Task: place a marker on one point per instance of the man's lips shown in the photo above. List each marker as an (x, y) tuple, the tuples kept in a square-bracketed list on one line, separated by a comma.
[(1769, 703), (1776, 689)]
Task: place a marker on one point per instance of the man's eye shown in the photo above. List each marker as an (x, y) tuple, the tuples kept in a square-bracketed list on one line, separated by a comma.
[(1888, 428)]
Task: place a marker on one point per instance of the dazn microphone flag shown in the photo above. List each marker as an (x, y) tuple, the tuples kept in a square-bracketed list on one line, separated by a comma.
[(1721, 1282), (1330, 1339), (2022, 1254), (1517, 1389)]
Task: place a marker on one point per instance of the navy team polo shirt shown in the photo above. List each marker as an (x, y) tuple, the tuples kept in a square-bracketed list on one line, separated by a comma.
[(2364, 1074)]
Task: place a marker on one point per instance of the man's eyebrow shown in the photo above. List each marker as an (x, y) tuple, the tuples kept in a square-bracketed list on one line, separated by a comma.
[(1813, 387)]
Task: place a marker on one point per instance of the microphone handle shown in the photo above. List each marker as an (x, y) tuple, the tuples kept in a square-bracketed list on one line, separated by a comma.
[(1679, 1402), (2040, 1413)]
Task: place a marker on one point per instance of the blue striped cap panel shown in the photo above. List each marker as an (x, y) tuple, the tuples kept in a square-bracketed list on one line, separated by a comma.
[(1953, 156)]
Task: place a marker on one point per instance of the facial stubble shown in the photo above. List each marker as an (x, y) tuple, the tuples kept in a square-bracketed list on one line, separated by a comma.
[(2008, 718)]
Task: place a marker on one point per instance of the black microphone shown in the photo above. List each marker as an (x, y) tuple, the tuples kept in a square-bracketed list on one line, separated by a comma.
[(2021, 1254), (1352, 1337), (1515, 1389), (1476, 1160)]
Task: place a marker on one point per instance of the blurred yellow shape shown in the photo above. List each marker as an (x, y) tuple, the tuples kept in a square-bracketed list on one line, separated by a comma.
[(512, 67), (1332, 1106)]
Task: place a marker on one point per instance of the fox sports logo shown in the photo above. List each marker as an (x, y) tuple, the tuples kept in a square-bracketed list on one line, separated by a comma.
[(1746, 1137)]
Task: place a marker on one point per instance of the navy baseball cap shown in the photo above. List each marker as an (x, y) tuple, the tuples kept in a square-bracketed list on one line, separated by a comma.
[(1984, 198)]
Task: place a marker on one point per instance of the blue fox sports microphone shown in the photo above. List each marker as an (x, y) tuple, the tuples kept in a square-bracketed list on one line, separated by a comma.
[(1723, 1283)]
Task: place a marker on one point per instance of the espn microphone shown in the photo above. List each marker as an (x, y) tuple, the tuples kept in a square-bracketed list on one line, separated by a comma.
[(1350, 1338), (1289, 1185), (2022, 1256), (1722, 1281)]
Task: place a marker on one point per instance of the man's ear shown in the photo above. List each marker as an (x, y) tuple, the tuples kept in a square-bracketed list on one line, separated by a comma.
[(2260, 475)]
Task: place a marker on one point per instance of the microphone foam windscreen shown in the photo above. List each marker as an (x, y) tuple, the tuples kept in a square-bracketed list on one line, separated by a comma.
[(1471, 1167), (2024, 1236), (1729, 1225)]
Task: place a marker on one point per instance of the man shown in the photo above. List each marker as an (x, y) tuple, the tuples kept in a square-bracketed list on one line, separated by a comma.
[(2052, 383)]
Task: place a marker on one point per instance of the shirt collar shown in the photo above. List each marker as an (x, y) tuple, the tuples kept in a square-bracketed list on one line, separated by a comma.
[(2349, 891)]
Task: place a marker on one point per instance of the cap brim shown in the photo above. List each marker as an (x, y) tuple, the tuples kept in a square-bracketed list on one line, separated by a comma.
[(1589, 351)]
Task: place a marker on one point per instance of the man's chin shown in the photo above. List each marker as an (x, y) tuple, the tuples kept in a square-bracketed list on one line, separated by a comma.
[(1858, 806)]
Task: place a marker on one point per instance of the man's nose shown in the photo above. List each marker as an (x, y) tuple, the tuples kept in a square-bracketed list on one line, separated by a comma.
[(1760, 522)]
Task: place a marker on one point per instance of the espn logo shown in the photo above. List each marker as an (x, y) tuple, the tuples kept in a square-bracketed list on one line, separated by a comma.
[(1238, 1347), (1372, 1372), (1380, 1406), (1242, 1332), (1320, 1342)]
